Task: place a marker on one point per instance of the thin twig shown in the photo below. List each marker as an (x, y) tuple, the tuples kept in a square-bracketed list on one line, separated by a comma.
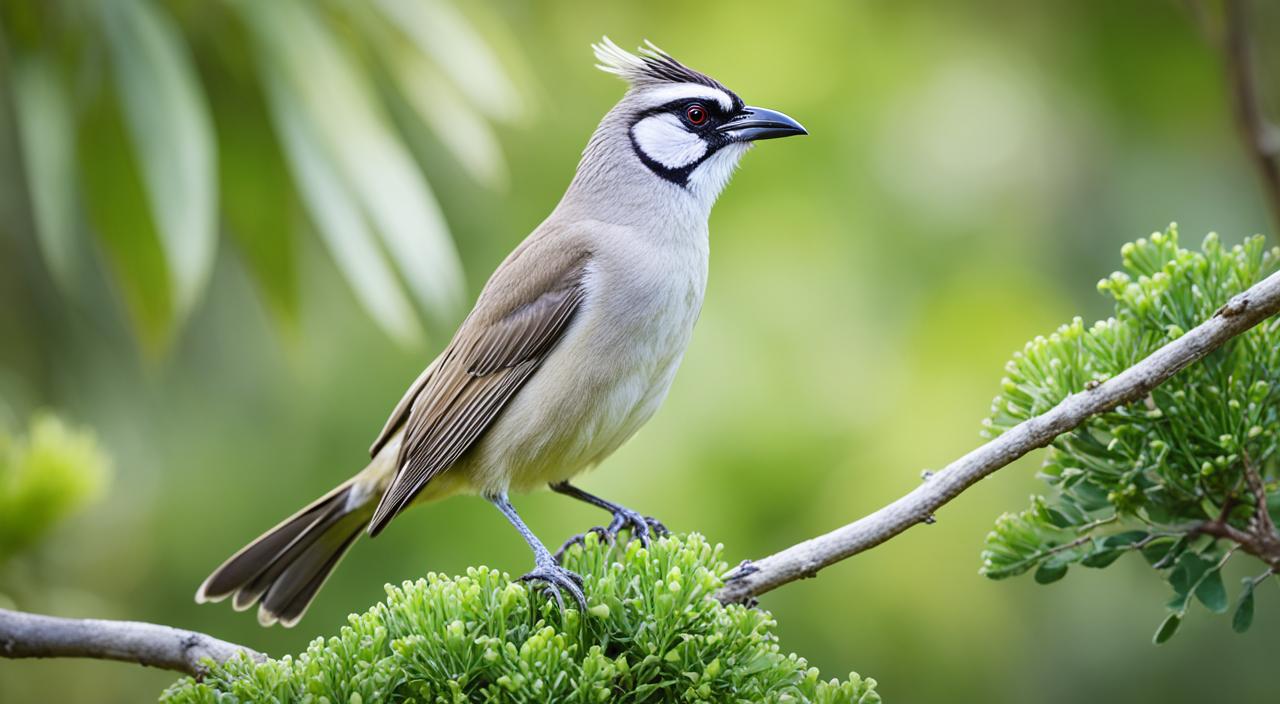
[(1261, 521), (1261, 137), (24, 635), (1244, 311)]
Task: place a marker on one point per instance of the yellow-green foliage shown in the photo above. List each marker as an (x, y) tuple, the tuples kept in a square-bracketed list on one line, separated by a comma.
[(652, 634), (45, 477), (1138, 479)]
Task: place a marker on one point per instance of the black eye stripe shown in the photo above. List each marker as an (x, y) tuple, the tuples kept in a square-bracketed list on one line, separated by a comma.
[(713, 108)]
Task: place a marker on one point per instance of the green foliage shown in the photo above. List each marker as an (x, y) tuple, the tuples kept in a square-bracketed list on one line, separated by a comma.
[(44, 478), (652, 634), (1148, 476), (127, 112)]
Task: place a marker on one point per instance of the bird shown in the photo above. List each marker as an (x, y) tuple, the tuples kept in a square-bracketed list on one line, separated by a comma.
[(572, 345)]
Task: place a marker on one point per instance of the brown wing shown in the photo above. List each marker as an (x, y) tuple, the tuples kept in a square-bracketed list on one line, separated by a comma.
[(517, 321)]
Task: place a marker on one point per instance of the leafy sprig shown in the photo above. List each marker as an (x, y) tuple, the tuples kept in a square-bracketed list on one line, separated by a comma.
[(1186, 477)]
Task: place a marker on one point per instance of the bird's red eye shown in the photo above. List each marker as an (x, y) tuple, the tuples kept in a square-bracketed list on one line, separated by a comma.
[(695, 114)]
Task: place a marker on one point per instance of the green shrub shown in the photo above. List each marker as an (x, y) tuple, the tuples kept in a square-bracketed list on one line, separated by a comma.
[(652, 634), (45, 477), (1167, 476)]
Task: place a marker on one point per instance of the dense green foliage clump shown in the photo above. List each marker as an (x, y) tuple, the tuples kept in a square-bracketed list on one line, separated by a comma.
[(1169, 475), (45, 476), (652, 634)]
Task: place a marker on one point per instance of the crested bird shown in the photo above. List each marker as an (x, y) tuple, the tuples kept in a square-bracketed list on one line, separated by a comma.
[(572, 345)]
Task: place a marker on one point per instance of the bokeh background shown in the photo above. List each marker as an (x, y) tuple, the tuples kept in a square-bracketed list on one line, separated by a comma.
[(972, 170)]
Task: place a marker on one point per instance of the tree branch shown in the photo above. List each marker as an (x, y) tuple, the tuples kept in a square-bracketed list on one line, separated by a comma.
[(24, 635), (1244, 311), (1261, 137)]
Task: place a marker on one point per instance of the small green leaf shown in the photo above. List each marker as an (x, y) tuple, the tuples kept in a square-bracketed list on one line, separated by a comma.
[(1059, 518), (1243, 617), (1156, 550), (1173, 554), (1167, 628), (1212, 593), (1102, 558), (1187, 573), (1050, 572)]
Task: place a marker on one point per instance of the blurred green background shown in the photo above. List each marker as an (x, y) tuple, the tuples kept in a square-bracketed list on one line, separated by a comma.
[(971, 172)]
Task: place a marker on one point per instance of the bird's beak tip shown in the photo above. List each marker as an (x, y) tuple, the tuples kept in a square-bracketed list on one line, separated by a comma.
[(754, 124)]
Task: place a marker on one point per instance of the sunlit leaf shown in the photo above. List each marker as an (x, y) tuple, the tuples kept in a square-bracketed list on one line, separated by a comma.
[(332, 96), (452, 120), (46, 131), (117, 206), (443, 33), (338, 221), (168, 121)]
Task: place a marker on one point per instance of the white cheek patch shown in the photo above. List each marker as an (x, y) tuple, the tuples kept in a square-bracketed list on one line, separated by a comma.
[(664, 139), (661, 95), (709, 179)]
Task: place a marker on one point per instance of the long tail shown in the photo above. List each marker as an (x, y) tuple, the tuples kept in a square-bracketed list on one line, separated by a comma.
[(286, 566)]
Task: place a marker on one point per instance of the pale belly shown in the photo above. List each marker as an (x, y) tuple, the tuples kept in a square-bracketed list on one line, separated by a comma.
[(598, 387)]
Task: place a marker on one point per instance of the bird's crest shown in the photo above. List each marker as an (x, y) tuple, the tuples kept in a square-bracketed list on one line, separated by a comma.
[(652, 67)]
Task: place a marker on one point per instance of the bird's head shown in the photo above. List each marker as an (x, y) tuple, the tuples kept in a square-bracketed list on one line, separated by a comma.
[(684, 126)]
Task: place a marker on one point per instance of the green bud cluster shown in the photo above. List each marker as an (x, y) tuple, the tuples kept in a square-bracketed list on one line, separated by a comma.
[(653, 633), (1136, 479)]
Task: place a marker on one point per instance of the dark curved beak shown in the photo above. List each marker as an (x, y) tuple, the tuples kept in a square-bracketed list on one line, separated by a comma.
[(751, 124)]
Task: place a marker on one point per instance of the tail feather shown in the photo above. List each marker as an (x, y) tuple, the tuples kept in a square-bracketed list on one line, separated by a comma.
[(290, 595), (285, 567)]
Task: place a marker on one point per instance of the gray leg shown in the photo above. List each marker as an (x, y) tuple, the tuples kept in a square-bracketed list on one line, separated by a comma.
[(640, 526), (545, 568)]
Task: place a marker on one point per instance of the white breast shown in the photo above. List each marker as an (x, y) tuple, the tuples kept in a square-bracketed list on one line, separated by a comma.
[(610, 372)]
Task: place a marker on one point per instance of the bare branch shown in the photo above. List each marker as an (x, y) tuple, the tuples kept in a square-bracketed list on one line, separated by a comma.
[(1261, 137), (1244, 311), (24, 635)]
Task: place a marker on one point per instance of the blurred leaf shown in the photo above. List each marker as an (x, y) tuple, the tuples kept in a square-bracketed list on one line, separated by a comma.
[(443, 33), (1171, 556), (1184, 578), (168, 121), (1050, 572), (367, 157), (258, 198), (442, 108), (338, 221), (1101, 558), (1211, 592), (117, 207), (46, 131), (1243, 617), (1167, 628)]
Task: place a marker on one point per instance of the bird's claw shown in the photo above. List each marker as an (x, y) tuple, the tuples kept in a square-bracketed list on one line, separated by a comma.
[(641, 527), (581, 539), (556, 579)]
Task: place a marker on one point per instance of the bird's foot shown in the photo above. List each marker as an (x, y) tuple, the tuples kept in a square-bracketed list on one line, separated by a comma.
[(557, 580), (641, 527)]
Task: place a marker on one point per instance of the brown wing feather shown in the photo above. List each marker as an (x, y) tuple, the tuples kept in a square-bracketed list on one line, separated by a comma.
[(485, 365)]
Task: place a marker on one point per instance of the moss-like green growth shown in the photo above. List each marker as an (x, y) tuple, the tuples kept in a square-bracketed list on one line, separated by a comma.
[(46, 476), (653, 633), (1148, 476)]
